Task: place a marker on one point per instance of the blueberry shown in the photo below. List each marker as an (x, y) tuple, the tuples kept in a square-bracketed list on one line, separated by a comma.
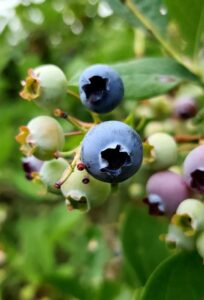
[(101, 89), (83, 192), (112, 151), (189, 216), (200, 245), (51, 172), (30, 165), (164, 152), (165, 191), (46, 85), (194, 169), (175, 238), (42, 137), (185, 107)]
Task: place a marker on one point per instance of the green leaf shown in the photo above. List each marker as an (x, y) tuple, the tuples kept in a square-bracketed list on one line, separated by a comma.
[(140, 239), (189, 16), (180, 277), (144, 6), (148, 77)]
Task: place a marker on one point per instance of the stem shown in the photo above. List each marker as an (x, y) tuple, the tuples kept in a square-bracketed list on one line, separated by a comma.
[(65, 154), (148, 24), (73, 133), (83, 126), (182, 138), (70, 168), (95, 117), (71, 93)]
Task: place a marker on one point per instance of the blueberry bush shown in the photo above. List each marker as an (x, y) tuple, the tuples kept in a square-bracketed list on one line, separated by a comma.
[(102, 150)]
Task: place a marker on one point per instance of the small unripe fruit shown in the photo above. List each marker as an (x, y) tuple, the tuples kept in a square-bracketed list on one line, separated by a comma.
[(164, 151), (200, 245), (42, 137), (175, 238), (185, 107), (167, 126), (46, 85), (194, 169), (165, 191), (31, 165), (83, 191), (190, 216), (51, 172)]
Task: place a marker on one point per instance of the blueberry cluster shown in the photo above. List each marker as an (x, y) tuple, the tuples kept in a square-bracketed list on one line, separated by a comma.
[(110, 151)]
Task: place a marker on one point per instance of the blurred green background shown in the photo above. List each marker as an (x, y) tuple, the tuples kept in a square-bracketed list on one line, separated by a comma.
[(46, 252)]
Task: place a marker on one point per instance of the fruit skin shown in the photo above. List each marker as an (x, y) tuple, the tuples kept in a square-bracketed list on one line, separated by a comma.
[(164, 152), (51, 172), (46, 85), (200, 245), (30, 165), (101, 88), (46, 137), (185, 107), (189, 216), (193, 169), (112, 151), (175, 238), (93, 192), (165, 191)]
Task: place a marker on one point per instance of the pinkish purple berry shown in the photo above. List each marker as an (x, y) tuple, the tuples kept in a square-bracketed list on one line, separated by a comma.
[(165, 191), (194, 169), (185, 107), (31, 164)]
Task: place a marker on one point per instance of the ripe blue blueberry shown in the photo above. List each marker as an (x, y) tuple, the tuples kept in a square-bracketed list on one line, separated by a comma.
[(101, 88), (112, 151)]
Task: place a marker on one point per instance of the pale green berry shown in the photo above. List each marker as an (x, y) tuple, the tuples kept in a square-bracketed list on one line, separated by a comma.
[(46, 85), (190, 216), (167, 126), (153, 127), (161, 106), (175, 238), (200, 244), (83, 191), (42, 137), (51, 172), (164, 150)]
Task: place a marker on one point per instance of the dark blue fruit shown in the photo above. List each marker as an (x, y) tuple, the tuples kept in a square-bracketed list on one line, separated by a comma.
[(101, 89), (112, 151)]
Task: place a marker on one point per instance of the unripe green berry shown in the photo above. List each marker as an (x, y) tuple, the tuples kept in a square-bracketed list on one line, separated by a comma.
[(83, 191), (42, 137), (153, 127), (190, 216), (161, 106), (164, 151), (46, 85), (175, 238), (51, 172), (200, 244), (167, 126)]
